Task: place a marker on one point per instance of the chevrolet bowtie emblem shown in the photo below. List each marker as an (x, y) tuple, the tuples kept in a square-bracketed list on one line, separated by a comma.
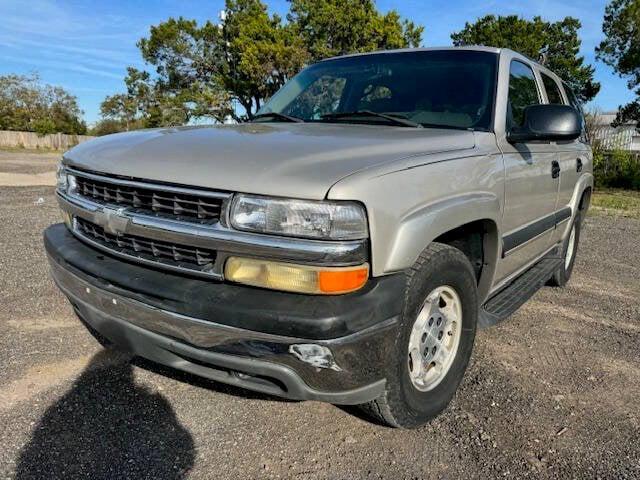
[(113, 221)]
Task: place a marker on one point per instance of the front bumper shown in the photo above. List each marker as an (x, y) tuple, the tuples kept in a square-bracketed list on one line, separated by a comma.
[(331, 349)]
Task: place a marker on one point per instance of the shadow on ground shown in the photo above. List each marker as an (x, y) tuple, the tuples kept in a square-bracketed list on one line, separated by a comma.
[(107, 426)]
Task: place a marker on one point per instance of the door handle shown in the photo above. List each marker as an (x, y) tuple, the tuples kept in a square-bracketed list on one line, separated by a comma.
[(578, 165), (555, 169)]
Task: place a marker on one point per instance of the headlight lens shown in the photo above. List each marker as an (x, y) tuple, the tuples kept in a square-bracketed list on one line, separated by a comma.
[(72, 185), (66, 182), (300, 218), (61, 178)]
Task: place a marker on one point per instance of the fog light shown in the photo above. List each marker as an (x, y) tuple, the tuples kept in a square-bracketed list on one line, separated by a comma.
[(296, 278)]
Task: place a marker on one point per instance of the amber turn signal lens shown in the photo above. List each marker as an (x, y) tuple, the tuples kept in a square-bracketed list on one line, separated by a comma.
[(296, 278), (340, 281)]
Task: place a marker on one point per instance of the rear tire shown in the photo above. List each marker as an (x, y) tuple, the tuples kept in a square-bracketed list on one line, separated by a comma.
[(441, 289), (569, 251)]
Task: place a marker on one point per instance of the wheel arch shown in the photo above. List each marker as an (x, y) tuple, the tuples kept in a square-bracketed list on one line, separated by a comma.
[(452, 221), (585, 199), (582, 193)]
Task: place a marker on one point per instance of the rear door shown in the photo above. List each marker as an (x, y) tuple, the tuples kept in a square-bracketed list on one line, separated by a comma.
[(575, 159), (531, 176), (572, 155)]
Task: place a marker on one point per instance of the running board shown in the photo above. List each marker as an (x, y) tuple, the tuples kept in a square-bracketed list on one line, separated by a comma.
[(515, 294)]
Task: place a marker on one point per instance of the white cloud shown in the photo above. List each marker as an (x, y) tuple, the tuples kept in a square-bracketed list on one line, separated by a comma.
[(65, 66)]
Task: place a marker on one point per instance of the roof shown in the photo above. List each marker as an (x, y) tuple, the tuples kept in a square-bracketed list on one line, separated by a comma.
[(607, 118), (624, 137), (477, 48), (473, 48)]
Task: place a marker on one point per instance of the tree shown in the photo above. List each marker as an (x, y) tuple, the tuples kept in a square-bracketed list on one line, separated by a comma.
[(28, 105), (246, 58), (120, 108), (621, 50), (554, 44), (202, 71), (336, 27), (106, 126)]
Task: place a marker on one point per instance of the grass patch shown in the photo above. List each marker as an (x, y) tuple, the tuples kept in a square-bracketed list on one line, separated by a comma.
[(624, 203)]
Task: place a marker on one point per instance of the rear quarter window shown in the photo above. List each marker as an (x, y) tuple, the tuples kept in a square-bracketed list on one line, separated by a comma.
[(553, 90), (575, 103)]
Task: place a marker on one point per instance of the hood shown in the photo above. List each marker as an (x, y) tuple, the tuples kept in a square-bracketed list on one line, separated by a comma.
[(301, 160)]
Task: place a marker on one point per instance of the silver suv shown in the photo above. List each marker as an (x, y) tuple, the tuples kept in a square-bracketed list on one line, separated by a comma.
[(345, 244)]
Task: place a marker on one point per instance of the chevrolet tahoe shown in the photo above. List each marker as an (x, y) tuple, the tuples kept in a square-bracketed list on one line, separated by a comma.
[(345, 244)]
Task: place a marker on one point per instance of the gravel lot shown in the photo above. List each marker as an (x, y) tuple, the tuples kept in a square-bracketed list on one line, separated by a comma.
[(554, 391)]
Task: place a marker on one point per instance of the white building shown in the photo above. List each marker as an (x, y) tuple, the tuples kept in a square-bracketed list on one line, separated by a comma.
[(624, 137)]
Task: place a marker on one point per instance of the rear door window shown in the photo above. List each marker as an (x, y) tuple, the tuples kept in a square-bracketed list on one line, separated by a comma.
[(523, 92), (575, 103), (552, 89)]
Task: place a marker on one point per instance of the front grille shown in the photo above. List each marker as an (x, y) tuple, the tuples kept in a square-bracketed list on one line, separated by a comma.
[(166, 253), (149, 199)]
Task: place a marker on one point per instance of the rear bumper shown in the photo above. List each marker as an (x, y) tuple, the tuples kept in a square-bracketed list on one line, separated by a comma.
[(341, 360)]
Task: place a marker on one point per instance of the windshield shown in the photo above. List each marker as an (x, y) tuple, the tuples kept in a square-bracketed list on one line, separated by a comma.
[(439, 88)]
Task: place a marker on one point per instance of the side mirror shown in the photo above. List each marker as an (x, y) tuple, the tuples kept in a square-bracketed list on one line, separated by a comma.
[(547, 122)]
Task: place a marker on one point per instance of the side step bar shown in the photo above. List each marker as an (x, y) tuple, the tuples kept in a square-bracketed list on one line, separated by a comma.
[(515, 294)]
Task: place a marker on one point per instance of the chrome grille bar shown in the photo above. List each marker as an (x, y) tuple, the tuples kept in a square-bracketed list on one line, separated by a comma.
[(176, 257), (181, 204)]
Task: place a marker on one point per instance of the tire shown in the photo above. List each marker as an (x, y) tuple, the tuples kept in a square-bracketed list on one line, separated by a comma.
[(569, 251), (403, 404)]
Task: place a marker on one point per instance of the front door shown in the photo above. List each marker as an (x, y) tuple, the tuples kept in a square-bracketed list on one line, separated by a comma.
[(531, 180)]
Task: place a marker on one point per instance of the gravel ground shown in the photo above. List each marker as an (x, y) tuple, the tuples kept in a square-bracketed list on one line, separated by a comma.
[(28, 161), (27, 168), (552, 392)]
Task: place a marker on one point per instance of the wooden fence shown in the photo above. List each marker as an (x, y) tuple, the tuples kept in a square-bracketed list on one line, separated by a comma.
[(31, 140)]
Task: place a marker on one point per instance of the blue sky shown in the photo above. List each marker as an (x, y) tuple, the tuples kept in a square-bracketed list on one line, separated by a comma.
[(85, 46)]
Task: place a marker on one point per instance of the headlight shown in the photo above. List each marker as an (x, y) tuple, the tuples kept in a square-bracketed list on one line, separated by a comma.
[(299, 218), (61, 178), (65, 182)]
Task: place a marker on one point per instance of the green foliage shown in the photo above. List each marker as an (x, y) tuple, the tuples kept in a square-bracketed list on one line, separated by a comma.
[(28, 105), (336, 27), (120, 107), (554, 44), (616, 169), (621, 49), (107, 126), (43, 126), (201, 71)]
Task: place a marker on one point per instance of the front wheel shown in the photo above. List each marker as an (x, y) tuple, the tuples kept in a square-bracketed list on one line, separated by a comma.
[(434, 340)]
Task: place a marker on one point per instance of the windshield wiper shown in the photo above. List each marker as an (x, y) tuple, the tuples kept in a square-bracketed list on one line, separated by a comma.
[(448, 127), (280, 116), (403, 122)]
